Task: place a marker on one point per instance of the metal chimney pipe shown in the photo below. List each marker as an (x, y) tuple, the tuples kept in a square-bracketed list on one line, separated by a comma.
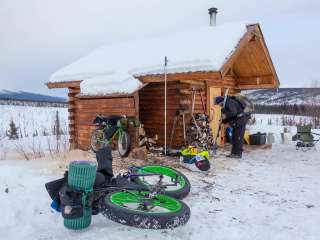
[(213, 16)]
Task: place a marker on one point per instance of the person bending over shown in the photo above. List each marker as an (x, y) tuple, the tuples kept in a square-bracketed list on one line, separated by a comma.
[(232, 113)]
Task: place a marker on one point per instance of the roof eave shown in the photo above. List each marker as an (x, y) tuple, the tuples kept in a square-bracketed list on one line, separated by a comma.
[(64, 84), (261, 86), (252, 31), (238, 49), (276, 82), (112, 95)]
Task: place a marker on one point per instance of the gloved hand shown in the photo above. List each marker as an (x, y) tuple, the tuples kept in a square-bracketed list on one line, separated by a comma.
[(224, 119)]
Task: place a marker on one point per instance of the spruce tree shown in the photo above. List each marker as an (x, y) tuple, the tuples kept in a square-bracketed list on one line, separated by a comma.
[(12, 133), (57, 126)]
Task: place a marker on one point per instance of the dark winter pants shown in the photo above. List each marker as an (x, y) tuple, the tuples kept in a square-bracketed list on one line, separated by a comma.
[(237, 138)]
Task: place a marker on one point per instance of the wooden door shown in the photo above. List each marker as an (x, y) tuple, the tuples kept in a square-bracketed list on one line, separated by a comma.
[(214, 112)]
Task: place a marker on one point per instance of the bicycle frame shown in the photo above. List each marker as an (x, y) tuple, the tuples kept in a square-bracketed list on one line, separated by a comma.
[(121, 128), (118, 134), (155, 189)]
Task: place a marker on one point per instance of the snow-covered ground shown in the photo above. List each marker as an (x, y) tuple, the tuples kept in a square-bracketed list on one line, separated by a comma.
[(270, 194), (35, 131), (276, 123), (31, 120)]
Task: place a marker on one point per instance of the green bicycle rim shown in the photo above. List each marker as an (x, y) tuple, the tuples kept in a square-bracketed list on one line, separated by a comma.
[(131, 200), (169, 172)]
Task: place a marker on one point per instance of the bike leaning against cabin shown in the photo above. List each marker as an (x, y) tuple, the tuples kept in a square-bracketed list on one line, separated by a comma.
[(114, 127)]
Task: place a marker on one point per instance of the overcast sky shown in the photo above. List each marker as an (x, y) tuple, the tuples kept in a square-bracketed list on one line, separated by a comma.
[(37, 37)]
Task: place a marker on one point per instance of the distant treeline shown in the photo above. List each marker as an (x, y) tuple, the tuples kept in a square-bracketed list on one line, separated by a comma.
[(33, 103), (294, 109)]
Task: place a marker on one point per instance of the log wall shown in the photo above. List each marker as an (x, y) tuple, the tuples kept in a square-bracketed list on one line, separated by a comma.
[(86, 109), (179, 97), (151, 108)]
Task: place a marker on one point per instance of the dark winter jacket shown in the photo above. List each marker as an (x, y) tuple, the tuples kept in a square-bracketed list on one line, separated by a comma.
[(233, 111)]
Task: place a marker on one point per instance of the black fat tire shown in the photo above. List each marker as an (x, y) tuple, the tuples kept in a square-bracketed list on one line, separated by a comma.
[(93, 148), (178, 194), (128, 147), (143, 219)]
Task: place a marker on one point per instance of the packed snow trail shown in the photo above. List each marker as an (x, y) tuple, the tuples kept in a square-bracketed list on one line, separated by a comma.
[(270, 194)]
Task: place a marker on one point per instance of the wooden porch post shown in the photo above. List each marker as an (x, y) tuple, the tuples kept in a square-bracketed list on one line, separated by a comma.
[(214, 111)]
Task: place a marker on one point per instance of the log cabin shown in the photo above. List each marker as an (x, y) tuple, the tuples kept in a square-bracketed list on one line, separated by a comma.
[(128, 78)]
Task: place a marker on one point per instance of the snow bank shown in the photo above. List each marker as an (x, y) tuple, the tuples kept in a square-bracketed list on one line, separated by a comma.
[(113, 68)]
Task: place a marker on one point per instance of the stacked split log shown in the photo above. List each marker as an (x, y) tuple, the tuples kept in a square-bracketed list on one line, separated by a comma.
[(199, 133), (145, 141)]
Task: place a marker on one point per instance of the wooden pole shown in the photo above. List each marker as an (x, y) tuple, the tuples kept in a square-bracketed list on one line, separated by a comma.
[(165, 104)]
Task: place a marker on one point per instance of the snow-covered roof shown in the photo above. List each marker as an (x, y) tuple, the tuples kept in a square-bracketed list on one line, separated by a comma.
[(113, 68)]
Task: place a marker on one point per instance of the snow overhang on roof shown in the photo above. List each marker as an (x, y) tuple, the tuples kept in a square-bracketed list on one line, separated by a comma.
[(114, 68)]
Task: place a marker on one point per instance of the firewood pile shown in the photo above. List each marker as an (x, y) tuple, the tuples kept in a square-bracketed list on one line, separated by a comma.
[(145, 141), (199, 133), (145, 145)]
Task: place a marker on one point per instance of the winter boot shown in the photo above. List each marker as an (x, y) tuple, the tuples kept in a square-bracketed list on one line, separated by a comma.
[(233, 155)]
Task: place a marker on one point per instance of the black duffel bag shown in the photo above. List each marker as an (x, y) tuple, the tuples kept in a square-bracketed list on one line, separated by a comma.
[(71, 201)]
